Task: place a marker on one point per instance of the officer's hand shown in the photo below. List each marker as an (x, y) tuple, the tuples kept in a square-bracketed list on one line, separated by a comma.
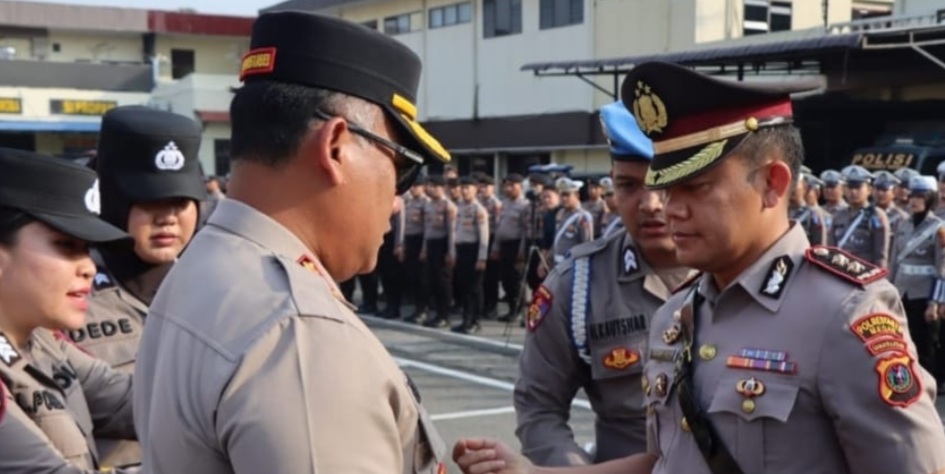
[(450, 260), (480, 265), (423, 256), (399, 253), (484, 455), (931, 313)]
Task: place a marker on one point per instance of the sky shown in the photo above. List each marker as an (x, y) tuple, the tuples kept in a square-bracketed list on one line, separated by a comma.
[(223, 7)]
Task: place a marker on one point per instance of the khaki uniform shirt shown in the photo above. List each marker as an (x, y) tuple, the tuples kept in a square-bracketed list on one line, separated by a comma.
[(58, 398), (572, 227), (814, 222), (895, 215), (918, 259), (587, 329), (598, 210), (869, 240), (252, 362), (513, 221), (440, 223), (835, 385), (493, 207), (832, 208)]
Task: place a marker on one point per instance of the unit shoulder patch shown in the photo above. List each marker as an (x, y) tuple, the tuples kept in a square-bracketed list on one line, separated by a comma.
[(541, 305), (844, 265), (876, 325), (899, 385)]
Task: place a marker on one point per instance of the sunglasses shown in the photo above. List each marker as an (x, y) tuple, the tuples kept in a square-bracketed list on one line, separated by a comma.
[(407, 167)]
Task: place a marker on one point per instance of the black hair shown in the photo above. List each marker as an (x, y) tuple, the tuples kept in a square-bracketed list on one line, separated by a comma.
[(784, 138), (11, 221), (269, 119)]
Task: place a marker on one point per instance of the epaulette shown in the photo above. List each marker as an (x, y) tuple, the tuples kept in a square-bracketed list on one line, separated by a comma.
[(689, 282), (844, 265)]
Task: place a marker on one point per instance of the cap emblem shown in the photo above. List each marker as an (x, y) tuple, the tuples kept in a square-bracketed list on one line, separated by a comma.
[(92, 200), (170, 158), (649, 109)]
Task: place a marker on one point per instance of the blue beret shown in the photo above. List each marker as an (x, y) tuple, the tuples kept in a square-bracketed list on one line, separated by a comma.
[(627, 141)]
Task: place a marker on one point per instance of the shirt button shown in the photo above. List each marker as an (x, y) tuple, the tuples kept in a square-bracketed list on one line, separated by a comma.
[(748, 406), (707, 352)]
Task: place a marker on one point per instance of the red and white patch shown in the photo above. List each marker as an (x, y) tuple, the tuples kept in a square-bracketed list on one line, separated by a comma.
[(541, 305)]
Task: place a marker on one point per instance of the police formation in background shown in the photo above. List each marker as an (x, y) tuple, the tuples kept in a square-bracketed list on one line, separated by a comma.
[(251, 360), (439, 251), (612, 222), (885, 187), (509, 247), (834, 184), (472, 251), (588, 322), (861, 228), (573, 224), (54, 397)]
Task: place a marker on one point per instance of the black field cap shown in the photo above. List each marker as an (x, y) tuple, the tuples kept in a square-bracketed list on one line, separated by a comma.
[(330, 53), (56, 192), (436, 180), (486, 179), (149, 155), (695, 120), (467, 180), (513, 178)]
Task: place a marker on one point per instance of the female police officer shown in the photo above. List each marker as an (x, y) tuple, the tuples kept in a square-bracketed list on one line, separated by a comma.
[(152, 188), (55, 397)]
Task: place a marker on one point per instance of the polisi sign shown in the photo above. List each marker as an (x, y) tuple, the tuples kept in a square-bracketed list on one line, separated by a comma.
[(883, 160)]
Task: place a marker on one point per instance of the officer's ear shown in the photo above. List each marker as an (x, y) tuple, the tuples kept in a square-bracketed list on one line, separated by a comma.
[(777, 183), (327, 145)]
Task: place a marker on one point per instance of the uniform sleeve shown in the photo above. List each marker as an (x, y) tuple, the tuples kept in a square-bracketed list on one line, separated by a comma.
[(23, 446), (938, 287), (344, 408), (882, 405), (550, 375), (587, 228), (881, 238), (819, 232), (451, 212), (482, 223), (107, 391)]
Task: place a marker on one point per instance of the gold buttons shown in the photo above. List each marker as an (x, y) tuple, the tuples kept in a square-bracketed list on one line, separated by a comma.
[(748, 406), (684, 424), (707, 352), (751, 124)]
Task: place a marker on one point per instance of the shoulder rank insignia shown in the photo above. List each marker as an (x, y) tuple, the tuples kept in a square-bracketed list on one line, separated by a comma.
[(541, 304), (102, 280), (899, 385), (844, 265), (8, 353), (689, 282)]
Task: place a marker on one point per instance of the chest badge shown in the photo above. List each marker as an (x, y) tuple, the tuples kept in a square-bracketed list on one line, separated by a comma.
[(621, 358)]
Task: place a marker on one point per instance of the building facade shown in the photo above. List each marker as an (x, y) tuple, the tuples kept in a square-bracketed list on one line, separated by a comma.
[(63, 66)]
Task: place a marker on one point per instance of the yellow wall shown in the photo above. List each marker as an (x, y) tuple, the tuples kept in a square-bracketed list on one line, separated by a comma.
[(212, 54), (95, 47)]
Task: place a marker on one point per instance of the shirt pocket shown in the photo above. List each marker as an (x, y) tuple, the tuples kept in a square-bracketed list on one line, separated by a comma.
[(62, 431), (745, 422)]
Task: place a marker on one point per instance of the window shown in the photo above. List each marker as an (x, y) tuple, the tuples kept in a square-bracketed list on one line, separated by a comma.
[(764, 16), (395, 25), (555, 13), (501, 17), (372, 24), (56, 47), (182, 63), (221, 157), (450, 15)]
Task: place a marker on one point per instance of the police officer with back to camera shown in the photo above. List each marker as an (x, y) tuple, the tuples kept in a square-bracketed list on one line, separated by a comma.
[(917, 268), (781, 358), (151, 187), (608, 290), (472, 251), (885, 187), (861, 229), (251, 360), (54, 397), (811, 219)]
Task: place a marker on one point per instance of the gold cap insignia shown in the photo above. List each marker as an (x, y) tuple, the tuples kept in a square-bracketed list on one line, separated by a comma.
[(649, 109)]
